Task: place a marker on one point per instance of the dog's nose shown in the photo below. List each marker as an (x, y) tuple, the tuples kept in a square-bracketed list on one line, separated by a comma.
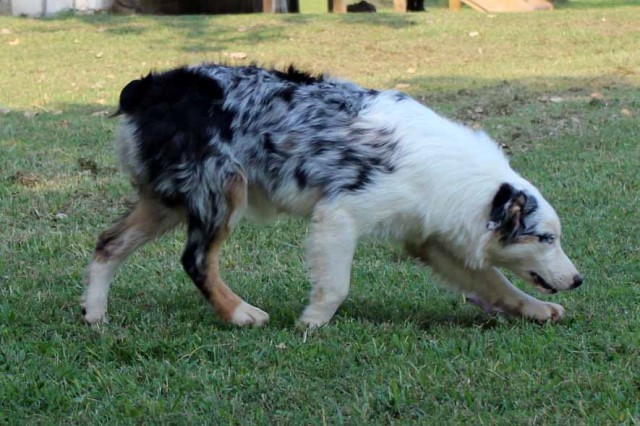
[(577, 281)]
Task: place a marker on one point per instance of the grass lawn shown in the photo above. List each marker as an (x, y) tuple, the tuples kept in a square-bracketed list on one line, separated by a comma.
[(400, 350)]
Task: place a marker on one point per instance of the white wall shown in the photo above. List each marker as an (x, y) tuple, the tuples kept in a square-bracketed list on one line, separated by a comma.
[(5, 7), (50, 7)]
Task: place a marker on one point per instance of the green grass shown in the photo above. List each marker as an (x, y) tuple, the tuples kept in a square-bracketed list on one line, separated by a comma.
[(400, 350)]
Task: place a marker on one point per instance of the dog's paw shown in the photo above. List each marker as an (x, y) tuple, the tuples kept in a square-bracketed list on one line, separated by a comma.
[(245, 314), (543, 311), (313, 318), (307, 322), (93, 314)]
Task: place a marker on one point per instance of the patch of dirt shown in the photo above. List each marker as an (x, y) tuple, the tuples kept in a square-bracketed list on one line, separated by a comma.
[(25, 178), (89, 166)]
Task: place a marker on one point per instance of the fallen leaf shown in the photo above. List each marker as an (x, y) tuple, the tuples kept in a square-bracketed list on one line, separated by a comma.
[(101, 113), (14, 42), (626, 113), (556, 99), (281, 346), (30, 114), (237, 55), (516, 134), (5, 31), (474, 34), (402, 86), (60, 216), (99, 55), (89, 165), (596, 98), (411, 70)]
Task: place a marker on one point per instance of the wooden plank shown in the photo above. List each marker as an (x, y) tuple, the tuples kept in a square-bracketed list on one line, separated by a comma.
[(454, 5), (267, 6), (496, 6), (399, 5), (339, 6)]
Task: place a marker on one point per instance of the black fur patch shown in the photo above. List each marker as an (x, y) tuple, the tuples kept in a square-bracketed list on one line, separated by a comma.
[(287, 93), (511, 210), (503, 196), (294, 75), (176, 114), (399, 96)]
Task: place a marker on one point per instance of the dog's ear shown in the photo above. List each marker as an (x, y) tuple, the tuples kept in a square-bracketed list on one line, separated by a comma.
[(508, 208)]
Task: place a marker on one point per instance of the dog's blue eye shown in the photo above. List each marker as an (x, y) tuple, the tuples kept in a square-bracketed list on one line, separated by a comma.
[(546, 238)]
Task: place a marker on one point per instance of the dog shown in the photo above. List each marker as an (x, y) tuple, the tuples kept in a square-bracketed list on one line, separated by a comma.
[(207, 145)]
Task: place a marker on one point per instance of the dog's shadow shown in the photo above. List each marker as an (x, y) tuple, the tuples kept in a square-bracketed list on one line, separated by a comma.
[(453, 314), (447, 312)]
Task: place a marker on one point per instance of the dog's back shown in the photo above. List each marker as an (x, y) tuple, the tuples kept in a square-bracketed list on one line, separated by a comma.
[(288, 130)]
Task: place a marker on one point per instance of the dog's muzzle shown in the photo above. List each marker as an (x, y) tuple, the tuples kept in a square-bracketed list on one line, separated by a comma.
[(542, 284)]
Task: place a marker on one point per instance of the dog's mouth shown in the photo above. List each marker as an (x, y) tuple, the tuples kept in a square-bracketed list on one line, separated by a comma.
[(541, 284)]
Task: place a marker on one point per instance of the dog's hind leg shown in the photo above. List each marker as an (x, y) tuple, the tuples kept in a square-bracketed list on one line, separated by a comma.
[(487, 288), (200, 257), (147, 220), (332, 243)]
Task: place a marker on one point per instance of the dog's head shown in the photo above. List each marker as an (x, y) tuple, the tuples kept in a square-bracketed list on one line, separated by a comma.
[(526, 240)]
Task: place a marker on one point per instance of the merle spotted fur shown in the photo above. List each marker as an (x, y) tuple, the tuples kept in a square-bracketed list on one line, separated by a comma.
[(198, 128)]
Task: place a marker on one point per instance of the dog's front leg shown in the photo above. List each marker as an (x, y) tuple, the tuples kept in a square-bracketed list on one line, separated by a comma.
[(487, 288), (493, 291), (332, 243)]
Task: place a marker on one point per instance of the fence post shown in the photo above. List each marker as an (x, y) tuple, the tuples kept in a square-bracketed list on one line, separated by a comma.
[(399, 5)]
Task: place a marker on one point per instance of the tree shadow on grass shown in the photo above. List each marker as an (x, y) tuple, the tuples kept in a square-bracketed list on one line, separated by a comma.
[(592, 4), (193, 33), (191, 307), (394, 21)]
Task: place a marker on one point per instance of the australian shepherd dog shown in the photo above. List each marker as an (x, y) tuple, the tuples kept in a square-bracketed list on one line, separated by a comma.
[(208, 145)]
